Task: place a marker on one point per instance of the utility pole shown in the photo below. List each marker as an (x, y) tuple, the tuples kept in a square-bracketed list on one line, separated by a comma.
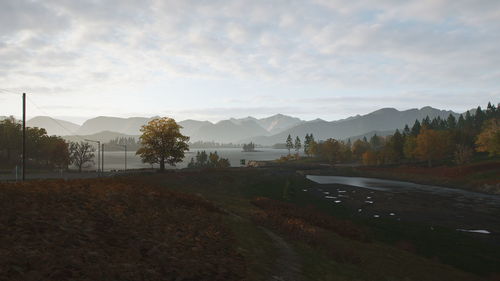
[(24, 137), (125, 146), (102, 158)]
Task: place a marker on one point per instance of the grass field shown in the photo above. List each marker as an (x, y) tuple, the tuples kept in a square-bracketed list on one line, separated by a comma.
[(215, 225)]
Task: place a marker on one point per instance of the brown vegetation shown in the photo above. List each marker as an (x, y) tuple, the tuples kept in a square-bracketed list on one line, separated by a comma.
[(111, 230), (310, 226)]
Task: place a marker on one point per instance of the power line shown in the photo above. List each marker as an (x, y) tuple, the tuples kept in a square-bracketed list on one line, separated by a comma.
[(44, 112), (5, 91), (55, 120)]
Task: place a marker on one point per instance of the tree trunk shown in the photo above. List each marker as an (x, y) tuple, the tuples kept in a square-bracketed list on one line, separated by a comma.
[(162, 164)]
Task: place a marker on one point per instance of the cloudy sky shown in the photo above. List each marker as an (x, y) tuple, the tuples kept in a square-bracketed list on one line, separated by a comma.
[(218, 59)]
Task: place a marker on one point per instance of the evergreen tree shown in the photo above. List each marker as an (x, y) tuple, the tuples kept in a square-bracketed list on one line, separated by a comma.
[(307, 143), (297, 145), (191, 163), (426, 122), (406, 131), (468, 120), (435, 123), (451, 122), (289, 143), (461, 122), (375, 142), (397, 143), (415, 130), (479, 118), (491, 110)]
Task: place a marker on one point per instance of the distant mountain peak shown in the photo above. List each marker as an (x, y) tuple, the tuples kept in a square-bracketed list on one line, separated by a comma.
[(385, 110), (53, 126), (384, 120), (428, 108), (318, 120)]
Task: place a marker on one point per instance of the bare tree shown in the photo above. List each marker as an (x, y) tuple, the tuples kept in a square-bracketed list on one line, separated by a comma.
[(81, 154)]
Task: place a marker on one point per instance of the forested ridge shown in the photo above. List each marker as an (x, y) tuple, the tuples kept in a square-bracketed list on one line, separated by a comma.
[(451, 140)]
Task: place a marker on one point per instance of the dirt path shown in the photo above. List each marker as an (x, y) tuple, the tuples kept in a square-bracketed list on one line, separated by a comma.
[(288, 264)]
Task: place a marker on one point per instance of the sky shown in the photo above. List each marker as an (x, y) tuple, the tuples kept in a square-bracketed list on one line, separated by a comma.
[(211, 60)]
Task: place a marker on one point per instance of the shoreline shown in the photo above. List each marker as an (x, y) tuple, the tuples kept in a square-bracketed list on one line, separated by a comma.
[(391, 174)]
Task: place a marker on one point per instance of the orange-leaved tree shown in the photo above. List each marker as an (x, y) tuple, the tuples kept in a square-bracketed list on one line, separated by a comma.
[(162, 142), (330, 149), (432, 145), (489, 138), (369, 158)]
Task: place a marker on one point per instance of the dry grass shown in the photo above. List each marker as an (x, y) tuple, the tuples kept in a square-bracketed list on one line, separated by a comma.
[(111, 230), (310, 226)]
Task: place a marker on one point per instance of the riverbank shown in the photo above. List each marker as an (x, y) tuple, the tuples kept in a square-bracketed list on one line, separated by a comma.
[(479, 177)]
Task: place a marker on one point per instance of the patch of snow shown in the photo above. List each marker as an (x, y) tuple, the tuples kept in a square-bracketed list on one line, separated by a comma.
[(330, 197), (392, 214), (337, 201), (369, 202), (376, 216)]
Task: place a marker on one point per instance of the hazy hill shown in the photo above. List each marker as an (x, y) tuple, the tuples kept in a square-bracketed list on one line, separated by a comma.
[(190, 127), (385, 119), (265, 131), (227, 131), (278, 123), (128, 126), (272, 124), (53, 126)]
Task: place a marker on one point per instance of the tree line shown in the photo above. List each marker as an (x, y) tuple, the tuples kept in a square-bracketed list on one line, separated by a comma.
[(212, 160), (118, 143), (249, 147), (429, 140), (42, 151)]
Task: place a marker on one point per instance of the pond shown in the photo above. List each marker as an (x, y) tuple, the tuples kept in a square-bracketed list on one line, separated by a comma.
[(379, 198)]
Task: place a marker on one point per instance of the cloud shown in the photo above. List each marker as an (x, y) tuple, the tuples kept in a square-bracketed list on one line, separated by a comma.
[(78, 47)]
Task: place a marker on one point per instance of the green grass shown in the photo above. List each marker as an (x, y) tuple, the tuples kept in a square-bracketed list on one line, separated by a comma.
[(259, 252)]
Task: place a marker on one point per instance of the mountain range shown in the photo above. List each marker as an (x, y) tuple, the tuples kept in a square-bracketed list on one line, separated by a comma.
[(264, 131), (386, 119)]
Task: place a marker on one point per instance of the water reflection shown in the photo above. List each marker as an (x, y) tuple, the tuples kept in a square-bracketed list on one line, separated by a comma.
[(400, 186)]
